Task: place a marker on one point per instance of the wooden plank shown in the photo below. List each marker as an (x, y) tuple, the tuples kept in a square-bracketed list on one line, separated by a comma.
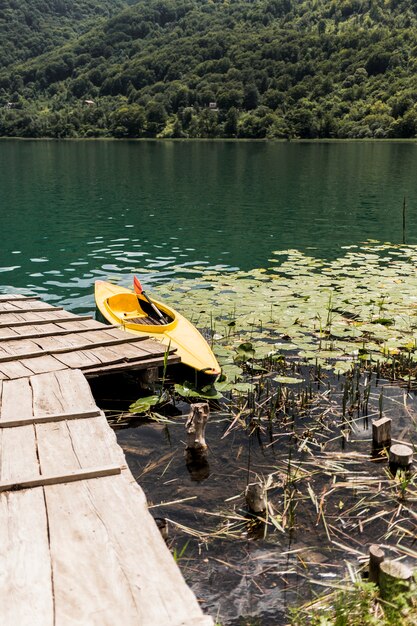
[(93, 371), (42, 419), (8, 333), (100, 587), (143, 350), (41, 364), (31, 332), (113, 584), (81, 322), (31, 310), (26, 587), (59, 478), (31, 305), (79, 359), (15, 297), (26, 322), (58, 345), (69, 342), (14, 369), (107, 355), (17, 399), (61, 392), (16, 350), (112, 333)]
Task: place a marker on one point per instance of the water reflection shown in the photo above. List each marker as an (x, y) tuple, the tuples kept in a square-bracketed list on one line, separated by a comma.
[(86, 210)]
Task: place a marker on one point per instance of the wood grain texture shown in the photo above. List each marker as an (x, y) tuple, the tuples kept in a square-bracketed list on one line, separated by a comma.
[(25, 566), (30, 482)]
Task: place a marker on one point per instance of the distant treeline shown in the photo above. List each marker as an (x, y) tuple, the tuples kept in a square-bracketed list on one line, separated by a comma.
[(209, 68)]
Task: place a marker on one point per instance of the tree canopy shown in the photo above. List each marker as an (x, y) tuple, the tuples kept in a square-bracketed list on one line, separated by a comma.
[(209, 68)]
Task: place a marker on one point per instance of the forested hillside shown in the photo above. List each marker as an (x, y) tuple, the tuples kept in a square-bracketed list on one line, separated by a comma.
[(213, 68), (29, 28)]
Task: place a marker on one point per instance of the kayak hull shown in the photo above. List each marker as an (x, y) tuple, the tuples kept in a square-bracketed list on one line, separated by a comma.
[(118, 305)]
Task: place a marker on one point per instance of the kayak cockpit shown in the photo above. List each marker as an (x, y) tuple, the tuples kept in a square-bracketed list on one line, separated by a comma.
[(134, 309)]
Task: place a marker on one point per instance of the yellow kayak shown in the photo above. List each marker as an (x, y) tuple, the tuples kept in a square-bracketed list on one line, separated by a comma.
[(141, 316)]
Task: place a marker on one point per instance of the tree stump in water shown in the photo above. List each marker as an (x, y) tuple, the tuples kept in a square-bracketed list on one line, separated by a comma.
[(394, 578), (196, 426), (255, 495), (400, 457), (196, 447)]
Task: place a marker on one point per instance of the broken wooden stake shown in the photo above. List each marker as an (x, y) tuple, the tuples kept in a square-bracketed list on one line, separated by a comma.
[(400, 457), (255, 495), (376, 557), (196, 425), (196, 448), (381, 433), (394, 578)]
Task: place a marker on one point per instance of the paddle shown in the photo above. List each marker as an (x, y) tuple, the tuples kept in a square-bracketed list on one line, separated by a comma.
[(139, 290)]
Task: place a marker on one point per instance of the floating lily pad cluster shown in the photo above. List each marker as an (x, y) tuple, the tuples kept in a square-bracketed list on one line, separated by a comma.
[(360, 307)]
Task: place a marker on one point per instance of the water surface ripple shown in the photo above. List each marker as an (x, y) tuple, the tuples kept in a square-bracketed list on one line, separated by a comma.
[(75, 211)]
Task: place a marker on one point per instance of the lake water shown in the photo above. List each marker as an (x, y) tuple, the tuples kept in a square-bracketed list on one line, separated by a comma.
[(72, 212)]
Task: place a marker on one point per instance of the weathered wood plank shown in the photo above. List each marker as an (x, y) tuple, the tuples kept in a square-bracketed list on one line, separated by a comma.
[(90, 372), (66, 343), (148, 348), (25, 576), (15, 297), (10, 351), (108, 355), (98, 592), (84, 322), (113, 585), (62, 392), (39, 309), (32, 332), (79, 359), (14, 369), (8, 333), (60, 478), (12, 323), (41, 364), (42, 419), (31, 305)]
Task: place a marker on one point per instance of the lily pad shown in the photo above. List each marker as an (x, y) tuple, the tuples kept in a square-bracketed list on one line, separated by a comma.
[(288, 380)]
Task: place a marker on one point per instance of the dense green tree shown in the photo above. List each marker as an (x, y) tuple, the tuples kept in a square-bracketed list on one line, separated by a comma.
[(128, 121), (193, 68)]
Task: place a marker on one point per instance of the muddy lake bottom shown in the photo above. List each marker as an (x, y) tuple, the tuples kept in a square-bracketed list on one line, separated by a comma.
[(329, 498)]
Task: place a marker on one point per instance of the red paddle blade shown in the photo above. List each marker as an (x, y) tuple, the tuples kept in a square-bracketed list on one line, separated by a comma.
[(136, 285)]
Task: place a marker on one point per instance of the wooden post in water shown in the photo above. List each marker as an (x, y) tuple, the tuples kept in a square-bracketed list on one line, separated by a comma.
[(404, 218), (381, 433), (394, 578), (400, 457), (196, 447), (196, 426), (376, 557)]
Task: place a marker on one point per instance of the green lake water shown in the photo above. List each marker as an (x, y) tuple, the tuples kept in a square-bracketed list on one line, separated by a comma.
[(72, 212)]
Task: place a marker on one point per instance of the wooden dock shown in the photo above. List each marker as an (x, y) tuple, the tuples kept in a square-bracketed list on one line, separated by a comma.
[(36, 338), (77, 543)]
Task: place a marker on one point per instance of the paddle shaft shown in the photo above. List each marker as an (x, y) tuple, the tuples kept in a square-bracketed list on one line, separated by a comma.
[(157, 311)]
